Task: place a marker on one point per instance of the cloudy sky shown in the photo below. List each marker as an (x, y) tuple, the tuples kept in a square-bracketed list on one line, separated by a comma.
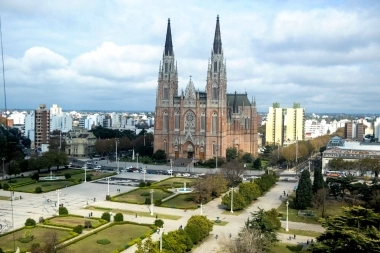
[(104, 55)]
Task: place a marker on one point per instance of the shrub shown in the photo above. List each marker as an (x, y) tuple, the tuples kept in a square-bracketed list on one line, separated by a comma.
[(148, 184), (193, 232), (103, 241), (67, 175), (106, 216), (6, 186), (78, 229), (87, 224), (118, 217), (145, 194), (38, 189), (159, 223), (158, 202), (147, 201), (22, 175), (35, 247), (108, 197), (142, 184), (1, 250), (35, 176), (30, 222), (63, 210), (41, 220), (88, 178), (0, 186)]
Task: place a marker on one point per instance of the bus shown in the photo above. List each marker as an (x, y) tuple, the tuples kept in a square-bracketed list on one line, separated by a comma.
[(331, 173)]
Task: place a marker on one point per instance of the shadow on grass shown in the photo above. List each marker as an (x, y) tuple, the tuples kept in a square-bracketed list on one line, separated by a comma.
[(294, 248)]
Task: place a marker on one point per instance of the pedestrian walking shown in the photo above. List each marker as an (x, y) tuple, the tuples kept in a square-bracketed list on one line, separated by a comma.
[(290, 238), (307, 242), (294, 236), (91, 214), (230, 235), (136, 215), (156, 216), (216, 236)]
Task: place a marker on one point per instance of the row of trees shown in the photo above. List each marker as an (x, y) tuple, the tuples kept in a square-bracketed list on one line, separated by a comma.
[(247, 192), (181, 240), (362, 165)]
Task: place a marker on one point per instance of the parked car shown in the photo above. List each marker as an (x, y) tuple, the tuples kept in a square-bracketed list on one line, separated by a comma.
[(186, 175)]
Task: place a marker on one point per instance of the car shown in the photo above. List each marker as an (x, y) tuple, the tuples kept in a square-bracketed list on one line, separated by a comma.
[(186, 175), (178, 175), (285, 179), (98, 166)]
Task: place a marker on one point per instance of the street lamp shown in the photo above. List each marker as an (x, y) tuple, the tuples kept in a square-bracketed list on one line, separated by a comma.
[(232, 199), (309, 166), (117, 159), (108, 188), (287, 216), (58, 192), (3, 167), (216, 158), (201, 209), (162, 230), (171, 167), (151, 201), (85, 173), (137, 155), (144, 172)]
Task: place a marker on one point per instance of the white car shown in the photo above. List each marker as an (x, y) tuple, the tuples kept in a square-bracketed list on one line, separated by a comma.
[(186, 175), (98, 166)]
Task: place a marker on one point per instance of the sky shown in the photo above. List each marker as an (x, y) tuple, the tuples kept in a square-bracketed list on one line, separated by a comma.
[(105, 55)]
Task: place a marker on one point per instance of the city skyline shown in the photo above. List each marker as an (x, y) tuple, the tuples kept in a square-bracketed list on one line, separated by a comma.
[(95, 55)]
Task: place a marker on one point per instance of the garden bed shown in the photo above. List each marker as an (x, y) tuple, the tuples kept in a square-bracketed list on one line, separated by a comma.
[(139, 196)]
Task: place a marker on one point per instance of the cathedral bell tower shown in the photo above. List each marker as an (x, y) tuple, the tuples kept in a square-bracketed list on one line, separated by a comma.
[(216, 86)]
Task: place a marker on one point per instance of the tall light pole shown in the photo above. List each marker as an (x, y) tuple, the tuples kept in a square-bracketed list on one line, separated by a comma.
[(309, 166), (201, 209), (216, 158), (287, 216), (108, 188), (85, 173), (137, 155), (278, 149), (117, 160), (232, 199), (3, 167), (144, 172), (161, 233), (151, 201), (171, 167), (58, 192)]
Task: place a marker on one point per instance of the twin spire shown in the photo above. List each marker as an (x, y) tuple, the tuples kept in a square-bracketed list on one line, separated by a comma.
[(217, 48)]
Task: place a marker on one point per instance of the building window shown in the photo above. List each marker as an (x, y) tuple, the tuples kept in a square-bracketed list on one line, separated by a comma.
[(165, 146), (215, 67), (176, 121), (166, 91), (247, 123), (165, 122), (166, 67), (203, 122), (214, 123)]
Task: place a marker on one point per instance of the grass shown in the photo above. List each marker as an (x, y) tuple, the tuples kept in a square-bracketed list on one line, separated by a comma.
[(332, 208), (140, 214), (71, 221), (181, 201), (6, 241), (135, 196), (119, 235), (176, 182), (222, 223), (300, 232), (5, 198), (16, 180), (286, 248), (94, 175), (46, 186), (61, 172)]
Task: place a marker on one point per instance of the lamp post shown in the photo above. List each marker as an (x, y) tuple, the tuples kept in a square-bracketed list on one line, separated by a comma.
[(117, 159), (85, 173), (151, 201), (137, 155), (232, 199), (3, 167), (171, 167), (161, 233), (287, 216), (108, 188), (144, 172), (58, 192), (216, 158), (201, 209)]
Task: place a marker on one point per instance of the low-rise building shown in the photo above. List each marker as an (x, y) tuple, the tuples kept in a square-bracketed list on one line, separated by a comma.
[(80, 143)]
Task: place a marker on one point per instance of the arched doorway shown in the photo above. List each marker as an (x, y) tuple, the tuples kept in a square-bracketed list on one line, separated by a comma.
[(202, 153), (176, 152), (190, 150)]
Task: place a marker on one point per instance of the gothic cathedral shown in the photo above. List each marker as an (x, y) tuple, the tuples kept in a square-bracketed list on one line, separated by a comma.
[(202, 124)]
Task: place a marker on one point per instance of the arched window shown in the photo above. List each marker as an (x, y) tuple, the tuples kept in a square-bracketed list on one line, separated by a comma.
[(247, 123), (165, 120), (214, 123), (215, 66), (215, 91), (166, 67), (166, 91), (176, 121), (203, 122)]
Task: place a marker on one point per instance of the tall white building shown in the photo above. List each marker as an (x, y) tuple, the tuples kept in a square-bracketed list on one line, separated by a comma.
[(55, 110)]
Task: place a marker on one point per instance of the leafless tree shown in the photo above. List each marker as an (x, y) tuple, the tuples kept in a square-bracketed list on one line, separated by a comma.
[(319, 200), (233, 172)]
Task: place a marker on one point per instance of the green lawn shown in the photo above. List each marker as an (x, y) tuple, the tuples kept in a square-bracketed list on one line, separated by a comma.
[(119, 235), (176, 182), (71, 221), (61, 172), (18, 180), (140, 214), (182, 201), (332, 208), (136, 196), (94, 175), (286, 248), (6, 241), (46, 186)]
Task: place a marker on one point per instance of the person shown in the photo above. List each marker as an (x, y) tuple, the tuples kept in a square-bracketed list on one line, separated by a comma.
[(136, 215), (294, 236), (230, 235), (216, 237), (91, 214), (290, 238), (94, 199), (156, 216), (307, 242)]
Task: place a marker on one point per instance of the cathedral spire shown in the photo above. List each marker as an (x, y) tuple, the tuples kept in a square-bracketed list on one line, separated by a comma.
[(168, 41), (217, 39)]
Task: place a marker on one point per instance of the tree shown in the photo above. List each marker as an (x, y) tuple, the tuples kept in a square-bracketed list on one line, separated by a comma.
[(30, 222), (63, 210), (49, 244), (176, 241), (356, 230), (249, 191), (119, 217), (304, 193), (148, 246), (257, 163), (238, 201), (106, 216), (258, 235), (204, 225), (318, 182), (233, 172), (159, 155), (319, 200), (231, 154), (247, 157), (14, 168), (193, 232)]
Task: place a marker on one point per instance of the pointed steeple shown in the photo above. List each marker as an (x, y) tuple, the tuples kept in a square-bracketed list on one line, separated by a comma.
[(217, 39), (168, 42)]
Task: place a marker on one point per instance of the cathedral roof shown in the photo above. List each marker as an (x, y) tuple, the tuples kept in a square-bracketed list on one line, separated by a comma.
[(217, 39), (168, 42), (238, 99)]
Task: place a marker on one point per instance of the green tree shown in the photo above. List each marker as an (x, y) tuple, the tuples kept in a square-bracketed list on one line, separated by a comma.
[(204, 225), (63, 210), (30, 222), (231, 154), (193, 232), (14, 168), (119, 217), (257, 163), (238, 201), (176, 241), (247, 157), (318, 182), (356, 230), (159, 155), (106, 216), (249, 191), (304, 192), (148, 246)]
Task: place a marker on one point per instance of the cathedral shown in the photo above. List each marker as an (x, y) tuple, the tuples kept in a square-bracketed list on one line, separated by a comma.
[(202, 124)]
